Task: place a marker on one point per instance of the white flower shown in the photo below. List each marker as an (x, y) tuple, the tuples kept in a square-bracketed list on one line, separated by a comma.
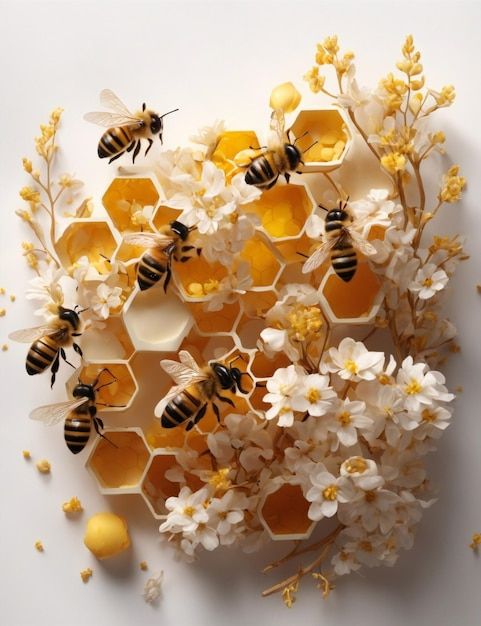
[(314, 395), (82, 270), (282, 387), (208, 136), (152, 588), (363, 472), (315, 226), (375, 208), (419, 386), (377, 507), (106, 298), (230, 287), (326, 493), (47, 289), (240, 191), (353, 361), (348, 417), (428, 281), (225, 243), (187, 511), (345, 562), (226, 515)]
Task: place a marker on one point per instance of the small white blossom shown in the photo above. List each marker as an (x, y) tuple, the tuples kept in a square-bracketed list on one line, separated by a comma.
[(105, 299), (153, 588), (347, 418), (314, 395), (428, 281), (326, 493), (282, 387), (353, 361), (421, 386), (187, 511)]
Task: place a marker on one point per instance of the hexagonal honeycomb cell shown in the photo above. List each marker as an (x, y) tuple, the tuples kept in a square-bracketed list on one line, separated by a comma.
[(167, 438), (155, 486), (116, 379), (263, 262), (354, 302), (164, 215), (257, 303), (195, 276), (329, 129), (125, 196), (119, 466), (248, 330), (156, 320), (283, 210), (90, 238), (284, 514), (214, 321), (264, 367), (229, 144), (109, 343), (295, 250)]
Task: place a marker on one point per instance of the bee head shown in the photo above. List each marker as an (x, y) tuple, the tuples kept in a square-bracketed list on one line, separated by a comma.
[(83, 390), (70, 316), (181, 230), (229, 377), (293, 155), (156, 123)]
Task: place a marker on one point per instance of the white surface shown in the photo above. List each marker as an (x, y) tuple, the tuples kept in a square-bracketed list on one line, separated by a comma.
[(218, 60)]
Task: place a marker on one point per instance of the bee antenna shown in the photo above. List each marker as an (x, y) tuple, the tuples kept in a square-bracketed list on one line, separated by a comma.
[(323, 208), (143, 106), (300, 137), (311, 146), (168, 113), (81, 310)]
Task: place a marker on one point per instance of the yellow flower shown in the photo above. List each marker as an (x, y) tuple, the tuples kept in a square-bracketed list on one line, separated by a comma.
[(26, 216), (394, 162), (55, 116), (453, 185), (316, 82), (285, 97), (27, 165), (445, 97), (437, 138), (211, 286), (30, 195), (330, 44)]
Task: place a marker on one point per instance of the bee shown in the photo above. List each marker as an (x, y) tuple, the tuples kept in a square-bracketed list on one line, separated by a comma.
[(196, 387), (79, 414), (49, 342), (170, 244), (125, 129), (340, 243), (278, 158)]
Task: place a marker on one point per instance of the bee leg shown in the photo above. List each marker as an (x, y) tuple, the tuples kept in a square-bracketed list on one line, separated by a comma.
[(200, 414), (187, 248), (136, 151), (198, 250), (150, 146), (116, 157), (287, 177), (64, 357), (54, 370), (98, 424), (224, 399), (216, 411), (183, 259), (113, 406), (78, 349), (130, 146), (168, 276)]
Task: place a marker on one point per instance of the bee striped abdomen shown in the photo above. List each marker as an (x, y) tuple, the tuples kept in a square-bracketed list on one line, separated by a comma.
[(113, 141), (41, 355), (181, 408), (261, 173), (77, 429), (344, 261), (149, 271)]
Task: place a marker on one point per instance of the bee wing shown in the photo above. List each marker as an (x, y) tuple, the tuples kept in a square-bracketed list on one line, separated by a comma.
[(182, 374), (51, 414), (318, 257), (187, 359), (110, 120), (278, 123), (111, 101), (245, 157), (28, 335), (361, 244), (148, 240)]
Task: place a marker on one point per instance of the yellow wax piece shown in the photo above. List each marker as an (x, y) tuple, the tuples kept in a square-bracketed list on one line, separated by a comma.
[(12, 298), (2, 312), (85, 574), (26, 454), (39, 546), (143, 566), (44, 466), (106, 535), (285, 97), (72, 506), (4, 347)]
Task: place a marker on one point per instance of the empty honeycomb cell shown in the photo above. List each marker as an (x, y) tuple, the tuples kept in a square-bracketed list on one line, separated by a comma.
[(156, 488), (156, 320), (295, 250), (255, 399), (284, 514), (229, 144), (109, 343), (327, 129), (283, 210), (376, 232), (164, 215), (264, 367), (116, 379), (257, 303), (356, 301), (168, 438), (126, 200), (120, 461), (248, 330), (90, 238), (222, 321), (264, 266)]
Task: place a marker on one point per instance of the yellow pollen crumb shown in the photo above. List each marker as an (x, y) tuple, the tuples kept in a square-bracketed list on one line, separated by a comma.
[(43, 466), (26, 454), (330, 493), (313, 395), (85, 574), (476, 541), (143, 566), (2, 291), (4, 347), (459, 389), (2, 312), (413, 388), (357, 464), (12, 298), (351, 366), (220, 479), (38, 546), (72, 506)]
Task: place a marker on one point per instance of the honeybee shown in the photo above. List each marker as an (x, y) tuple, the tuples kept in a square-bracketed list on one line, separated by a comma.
[(49, 342), (125, 129), (79, 414), (170, 244), (340, 242), (196, 387), (278, 158)]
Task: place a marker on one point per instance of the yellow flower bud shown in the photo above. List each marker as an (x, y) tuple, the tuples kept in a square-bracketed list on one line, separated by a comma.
[(285, 97), (27, 165), (393, 162)]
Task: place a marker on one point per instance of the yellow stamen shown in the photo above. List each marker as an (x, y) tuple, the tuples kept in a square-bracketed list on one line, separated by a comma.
[(344, 418), (356, 465), (351, 366), (330, 493), (413, 388)]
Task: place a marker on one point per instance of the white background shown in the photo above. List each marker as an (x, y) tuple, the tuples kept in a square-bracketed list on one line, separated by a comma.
[(218, 60)]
